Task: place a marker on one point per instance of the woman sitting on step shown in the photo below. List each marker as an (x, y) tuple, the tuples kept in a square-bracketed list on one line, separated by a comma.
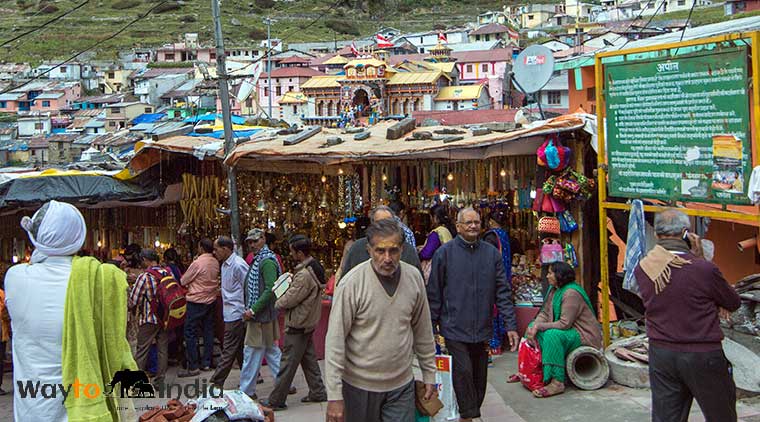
[(566, 321)]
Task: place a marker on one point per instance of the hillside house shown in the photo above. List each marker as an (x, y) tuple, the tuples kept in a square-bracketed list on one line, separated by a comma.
[(494, 31), (493, 17), (424, 41), (538, 15), (97, 102), (35, 125), (732, 7), (13, 71), (472, 97), (119, 115), (60, 149), (151, 84), (38, 150), (284, 80), (25, 98)]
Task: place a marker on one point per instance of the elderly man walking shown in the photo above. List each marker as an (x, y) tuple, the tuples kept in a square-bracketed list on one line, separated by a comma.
[(683, 294), (234, 270), (466, 279), (202, 280), (262, 328), (358, 252), (379, 321)]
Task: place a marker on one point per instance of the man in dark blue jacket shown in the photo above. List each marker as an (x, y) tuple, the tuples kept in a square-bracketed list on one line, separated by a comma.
[(466, 279)]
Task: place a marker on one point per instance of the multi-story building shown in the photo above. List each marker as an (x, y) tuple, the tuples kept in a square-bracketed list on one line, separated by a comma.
[(119, 115)]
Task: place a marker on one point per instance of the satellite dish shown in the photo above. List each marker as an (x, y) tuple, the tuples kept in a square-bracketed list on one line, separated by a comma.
[(533, 68)]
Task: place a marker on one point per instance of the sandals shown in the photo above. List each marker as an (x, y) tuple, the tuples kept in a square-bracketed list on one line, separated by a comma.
[(513, 378), (551, 389)]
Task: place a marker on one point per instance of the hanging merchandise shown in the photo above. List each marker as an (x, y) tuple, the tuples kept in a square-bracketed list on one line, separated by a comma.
[(551, 251), (570, 186), (549, 225), (553, 155), (570, 257), (567, 223)]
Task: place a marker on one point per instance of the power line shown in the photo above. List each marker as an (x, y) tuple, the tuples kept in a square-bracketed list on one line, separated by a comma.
[(51, 21), (662, 3), (96, 44), (688, 19)]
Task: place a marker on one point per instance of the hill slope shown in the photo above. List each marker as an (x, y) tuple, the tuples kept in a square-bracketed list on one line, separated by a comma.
[(301, 20)]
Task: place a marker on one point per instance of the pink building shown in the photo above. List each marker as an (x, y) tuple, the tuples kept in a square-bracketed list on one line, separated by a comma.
[(41, 96), (284, 79)]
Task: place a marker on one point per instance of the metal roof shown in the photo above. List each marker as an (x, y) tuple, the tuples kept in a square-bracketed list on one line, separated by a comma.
[(410, 78), (456, 93), (322, 82)]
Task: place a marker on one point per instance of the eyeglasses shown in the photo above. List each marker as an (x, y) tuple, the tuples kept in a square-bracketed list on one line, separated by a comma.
[(470, 223)]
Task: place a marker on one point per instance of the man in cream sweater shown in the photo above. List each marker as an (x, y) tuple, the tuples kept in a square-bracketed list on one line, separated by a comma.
[(379, 320)]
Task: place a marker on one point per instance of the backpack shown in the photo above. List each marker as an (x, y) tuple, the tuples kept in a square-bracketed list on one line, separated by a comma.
[(169, 303)]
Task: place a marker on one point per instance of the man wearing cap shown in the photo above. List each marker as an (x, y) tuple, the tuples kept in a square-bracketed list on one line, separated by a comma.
[(150, 329), (262, 328)]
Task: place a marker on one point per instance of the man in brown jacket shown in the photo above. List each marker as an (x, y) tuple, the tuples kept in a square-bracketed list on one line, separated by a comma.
[(302, 303)]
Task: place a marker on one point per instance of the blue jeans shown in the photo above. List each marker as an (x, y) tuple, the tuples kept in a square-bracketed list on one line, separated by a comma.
[(252, 358), (199, 314)]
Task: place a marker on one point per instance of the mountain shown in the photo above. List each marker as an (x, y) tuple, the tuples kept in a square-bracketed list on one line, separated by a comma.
[(296, 20)]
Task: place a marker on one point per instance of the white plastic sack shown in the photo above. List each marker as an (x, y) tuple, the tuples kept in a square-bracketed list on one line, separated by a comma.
[(236, 404), (443, 380)]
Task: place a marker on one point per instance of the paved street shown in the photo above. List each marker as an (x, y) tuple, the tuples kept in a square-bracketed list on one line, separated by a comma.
[(504, 402)]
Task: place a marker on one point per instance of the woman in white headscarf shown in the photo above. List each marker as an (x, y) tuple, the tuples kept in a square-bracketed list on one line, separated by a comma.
[(35, 297)]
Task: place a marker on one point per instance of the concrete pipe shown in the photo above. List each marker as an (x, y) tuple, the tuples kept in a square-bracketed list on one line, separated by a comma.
[(587, 368), (629, 374)]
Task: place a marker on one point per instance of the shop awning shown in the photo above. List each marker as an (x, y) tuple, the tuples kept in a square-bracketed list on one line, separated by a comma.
[(314, 150), (266, 152)]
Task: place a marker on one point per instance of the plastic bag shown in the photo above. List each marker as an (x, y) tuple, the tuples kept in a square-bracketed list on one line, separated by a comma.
[(236, 405), (529, 367)]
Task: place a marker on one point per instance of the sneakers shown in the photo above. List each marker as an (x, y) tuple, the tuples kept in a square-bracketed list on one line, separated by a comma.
[(189, 373), (292, 390)]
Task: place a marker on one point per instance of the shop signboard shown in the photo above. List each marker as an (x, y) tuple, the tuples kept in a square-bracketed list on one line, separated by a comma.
[(678, 127)]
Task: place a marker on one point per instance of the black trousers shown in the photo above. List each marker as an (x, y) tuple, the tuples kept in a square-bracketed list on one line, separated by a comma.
[(368, 406), (677, 378), (232, 349), (298, 349), (470, 375)]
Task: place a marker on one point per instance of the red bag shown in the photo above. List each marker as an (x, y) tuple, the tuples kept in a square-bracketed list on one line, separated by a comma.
[(330, 288), (169, 304), (529, 367)]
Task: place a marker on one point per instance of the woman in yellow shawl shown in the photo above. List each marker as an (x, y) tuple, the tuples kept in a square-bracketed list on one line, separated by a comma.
[(440, 234)]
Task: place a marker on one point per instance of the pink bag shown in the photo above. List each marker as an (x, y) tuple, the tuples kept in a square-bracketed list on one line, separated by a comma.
[(529, 366), (552, 252)]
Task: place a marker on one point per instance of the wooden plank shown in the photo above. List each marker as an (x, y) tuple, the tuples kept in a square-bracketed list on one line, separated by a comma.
[(401, 128), (304, 135)]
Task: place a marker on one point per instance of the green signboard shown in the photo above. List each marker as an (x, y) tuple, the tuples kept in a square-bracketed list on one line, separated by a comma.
[(678, 128)]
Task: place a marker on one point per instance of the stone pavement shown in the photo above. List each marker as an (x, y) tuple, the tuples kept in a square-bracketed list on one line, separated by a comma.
[(503, 403)]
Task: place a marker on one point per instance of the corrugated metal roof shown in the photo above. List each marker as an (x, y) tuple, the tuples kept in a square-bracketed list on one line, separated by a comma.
[(409, 78), (455, 93), (11, 96), (322, 82), (49, 96), (366, 62)]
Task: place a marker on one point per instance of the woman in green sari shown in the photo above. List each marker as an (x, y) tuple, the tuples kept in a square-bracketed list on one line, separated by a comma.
[(565, 322)]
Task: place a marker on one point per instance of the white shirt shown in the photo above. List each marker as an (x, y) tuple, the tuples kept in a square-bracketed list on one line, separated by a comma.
[(35, 297), (234, 271)]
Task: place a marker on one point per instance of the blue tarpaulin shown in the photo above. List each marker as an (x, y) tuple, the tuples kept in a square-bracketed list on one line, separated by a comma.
[(210, 117), (219, 134), (148, 118)]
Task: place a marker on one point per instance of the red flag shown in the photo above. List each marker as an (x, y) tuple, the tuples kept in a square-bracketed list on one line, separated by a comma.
[(354, 50), (383, 42), (442, 38), (513, 34)]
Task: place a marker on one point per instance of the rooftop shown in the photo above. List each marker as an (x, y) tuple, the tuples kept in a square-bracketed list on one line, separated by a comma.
[(292, 72), (456, 93), (491, 28)]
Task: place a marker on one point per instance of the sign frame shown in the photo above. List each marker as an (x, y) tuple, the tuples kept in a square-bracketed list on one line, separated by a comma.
[(719, 213)]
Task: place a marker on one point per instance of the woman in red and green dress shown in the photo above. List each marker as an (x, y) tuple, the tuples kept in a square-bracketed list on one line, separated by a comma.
[(565, 322)]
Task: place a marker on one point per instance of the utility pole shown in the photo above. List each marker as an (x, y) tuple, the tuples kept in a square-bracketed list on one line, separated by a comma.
[(268, 23), (229, 143)]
